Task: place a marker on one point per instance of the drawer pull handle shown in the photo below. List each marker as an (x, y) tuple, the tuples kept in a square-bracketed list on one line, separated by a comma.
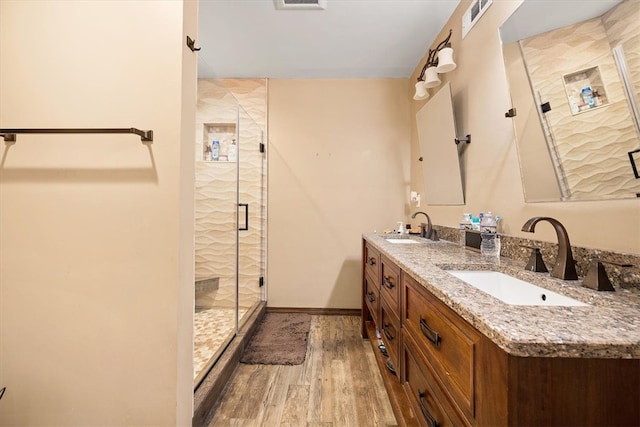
[(431, 335), (386, 280), (388, 334), (371, 297), (371, 261), (431, 422)]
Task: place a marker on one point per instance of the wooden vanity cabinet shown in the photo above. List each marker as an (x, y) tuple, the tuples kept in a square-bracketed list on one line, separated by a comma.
[(370, 286), (485, 386), (381, 313), (450, 374)]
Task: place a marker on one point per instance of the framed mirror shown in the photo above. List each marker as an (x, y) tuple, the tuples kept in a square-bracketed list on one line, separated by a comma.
[(574, 77)]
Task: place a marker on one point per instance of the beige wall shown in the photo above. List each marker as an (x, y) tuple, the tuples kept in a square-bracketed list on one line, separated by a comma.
[(492, 175), (338, 167), (96, 243)]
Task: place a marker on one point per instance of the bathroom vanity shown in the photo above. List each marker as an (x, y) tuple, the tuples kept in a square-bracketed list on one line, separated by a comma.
[(462, 357)]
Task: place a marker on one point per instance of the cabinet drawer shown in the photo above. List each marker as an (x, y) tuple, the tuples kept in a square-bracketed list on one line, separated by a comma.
[(430, 403), (390, 283), (372, 297), (446, 340), (390, 330), (372, 263)]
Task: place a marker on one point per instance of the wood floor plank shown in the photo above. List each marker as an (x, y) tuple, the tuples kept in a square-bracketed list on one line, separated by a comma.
[(343, 397), (326, 386), (312, 353), (369, 406), (337, 385), (381, 399), (314, 412), (296, 406), (276, 399)]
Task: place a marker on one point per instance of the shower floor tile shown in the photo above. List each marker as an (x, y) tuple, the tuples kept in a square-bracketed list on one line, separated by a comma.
[(212, 329)]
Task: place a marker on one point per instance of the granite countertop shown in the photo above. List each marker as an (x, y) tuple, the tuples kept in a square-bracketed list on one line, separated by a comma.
[(609, 327)]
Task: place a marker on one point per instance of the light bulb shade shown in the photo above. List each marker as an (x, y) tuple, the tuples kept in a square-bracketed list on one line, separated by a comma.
[(445, 60), (421, 91), (431, 78)]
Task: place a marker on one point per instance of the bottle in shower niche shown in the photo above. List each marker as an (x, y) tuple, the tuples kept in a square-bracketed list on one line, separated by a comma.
[(215, 150), (490, 244), (233, 151)]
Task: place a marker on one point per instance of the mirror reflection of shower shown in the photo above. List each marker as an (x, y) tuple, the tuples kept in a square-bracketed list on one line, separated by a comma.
[(582, 83), (630, 90)]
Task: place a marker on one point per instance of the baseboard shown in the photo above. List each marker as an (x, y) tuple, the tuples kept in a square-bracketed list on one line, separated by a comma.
[(317, 311), (212, 386)]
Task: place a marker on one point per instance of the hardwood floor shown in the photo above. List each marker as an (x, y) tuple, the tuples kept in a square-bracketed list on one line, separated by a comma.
[(337, 385)]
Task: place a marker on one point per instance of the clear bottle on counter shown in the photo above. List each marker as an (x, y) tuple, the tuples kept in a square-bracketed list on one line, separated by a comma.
[(465, 224), (490, 243), (475, 223)]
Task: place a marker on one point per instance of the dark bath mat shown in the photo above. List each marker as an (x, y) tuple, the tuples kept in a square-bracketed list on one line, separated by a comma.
[(279, 339)]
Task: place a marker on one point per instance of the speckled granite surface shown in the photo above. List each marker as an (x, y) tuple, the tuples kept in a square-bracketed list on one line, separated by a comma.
[(515, 248), (609, 327)]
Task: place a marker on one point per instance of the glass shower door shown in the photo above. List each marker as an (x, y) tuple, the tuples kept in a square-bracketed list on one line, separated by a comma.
[(230, 227), (216, 265), (251, 215)]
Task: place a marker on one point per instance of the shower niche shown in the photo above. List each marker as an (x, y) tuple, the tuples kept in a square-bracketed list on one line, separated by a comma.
[(585, 90), (219, 142)]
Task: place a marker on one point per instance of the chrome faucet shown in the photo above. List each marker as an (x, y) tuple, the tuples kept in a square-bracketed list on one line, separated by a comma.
[(565, 267), (427, 229)]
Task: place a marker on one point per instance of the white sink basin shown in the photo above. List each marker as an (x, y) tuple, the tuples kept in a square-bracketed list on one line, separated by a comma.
[(512, 290), (402, 241)]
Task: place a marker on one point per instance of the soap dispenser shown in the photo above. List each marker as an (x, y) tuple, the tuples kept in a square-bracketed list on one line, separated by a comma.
[(400, 227)]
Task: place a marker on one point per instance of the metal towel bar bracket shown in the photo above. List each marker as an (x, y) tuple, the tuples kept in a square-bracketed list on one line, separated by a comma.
[(9, 135)]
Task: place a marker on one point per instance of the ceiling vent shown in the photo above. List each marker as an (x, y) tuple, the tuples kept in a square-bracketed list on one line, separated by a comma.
[(301, 4), (473, 14)]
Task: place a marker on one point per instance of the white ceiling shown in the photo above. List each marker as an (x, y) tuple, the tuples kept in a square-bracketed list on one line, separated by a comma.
[(537, 17), (349, 39)]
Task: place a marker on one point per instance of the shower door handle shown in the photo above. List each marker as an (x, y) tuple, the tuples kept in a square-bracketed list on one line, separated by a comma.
[(246, 216), (633, 163)]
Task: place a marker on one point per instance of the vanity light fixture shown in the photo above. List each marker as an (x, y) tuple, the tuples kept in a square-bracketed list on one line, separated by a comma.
[(439, 61)]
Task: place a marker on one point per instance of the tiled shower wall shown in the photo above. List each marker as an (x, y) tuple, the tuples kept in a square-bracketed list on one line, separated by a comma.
[(621, 25), (215, 204), (607, 129)]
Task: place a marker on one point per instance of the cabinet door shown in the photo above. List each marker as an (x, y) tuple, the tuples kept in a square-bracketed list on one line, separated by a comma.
[(448, 343), (390, 329), (372, 262), (432, 406), (390, 284), (372, 297)]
